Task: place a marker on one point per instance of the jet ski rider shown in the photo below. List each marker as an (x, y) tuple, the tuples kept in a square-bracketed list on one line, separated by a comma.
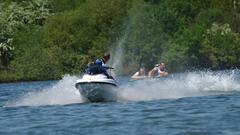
[(99, 66), (104, 60)]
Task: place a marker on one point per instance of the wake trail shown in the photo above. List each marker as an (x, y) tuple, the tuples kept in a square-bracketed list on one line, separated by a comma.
[(62, 93), (185, 85), (177, 86)]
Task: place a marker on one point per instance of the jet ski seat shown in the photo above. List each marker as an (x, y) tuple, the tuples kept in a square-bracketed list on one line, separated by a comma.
[(94, 69)]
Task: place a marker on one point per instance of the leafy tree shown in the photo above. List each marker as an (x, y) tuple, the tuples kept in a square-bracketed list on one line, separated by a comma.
[(5, 52), (221, 47), (15, 17), (43, 39)]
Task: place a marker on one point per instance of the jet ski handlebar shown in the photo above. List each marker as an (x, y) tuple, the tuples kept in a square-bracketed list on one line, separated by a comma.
[(109, 67)]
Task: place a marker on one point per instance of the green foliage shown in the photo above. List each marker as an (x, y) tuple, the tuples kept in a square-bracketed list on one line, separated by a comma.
[(15, 17), (179, 33), (43, 39), (221, 47), (5, 52), (66, 5), (151, 29), (183, 49), (61, 39)]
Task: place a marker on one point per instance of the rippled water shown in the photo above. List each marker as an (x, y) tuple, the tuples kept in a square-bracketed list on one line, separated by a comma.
[(196, 103)]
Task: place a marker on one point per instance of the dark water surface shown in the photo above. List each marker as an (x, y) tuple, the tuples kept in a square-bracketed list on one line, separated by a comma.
[(198, 104)]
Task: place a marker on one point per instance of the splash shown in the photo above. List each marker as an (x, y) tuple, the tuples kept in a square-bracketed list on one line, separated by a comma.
[(176, 86), (118, 49), (179, 86), (63, 92), (118, 53)]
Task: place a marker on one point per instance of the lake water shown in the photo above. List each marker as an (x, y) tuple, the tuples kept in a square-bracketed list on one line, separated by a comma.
[(194, 103)]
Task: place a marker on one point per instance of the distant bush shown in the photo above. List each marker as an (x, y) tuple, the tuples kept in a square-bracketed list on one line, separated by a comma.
[(43, 39)]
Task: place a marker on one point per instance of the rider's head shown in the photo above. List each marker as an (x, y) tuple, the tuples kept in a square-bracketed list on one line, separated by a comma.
[(162, 64), (142, 70), (106, 56)]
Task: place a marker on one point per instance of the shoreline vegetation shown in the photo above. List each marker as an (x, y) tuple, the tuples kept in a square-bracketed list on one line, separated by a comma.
[(45, 39)]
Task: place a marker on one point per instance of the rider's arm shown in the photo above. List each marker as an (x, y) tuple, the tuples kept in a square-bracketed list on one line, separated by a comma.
[(150, 73), (163, 73), (135, 76)]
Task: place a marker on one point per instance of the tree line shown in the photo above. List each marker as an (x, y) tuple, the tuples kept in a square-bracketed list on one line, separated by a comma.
[(45, 39)]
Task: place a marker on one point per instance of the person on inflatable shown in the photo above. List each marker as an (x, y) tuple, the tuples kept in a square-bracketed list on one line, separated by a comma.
[(160, 69)]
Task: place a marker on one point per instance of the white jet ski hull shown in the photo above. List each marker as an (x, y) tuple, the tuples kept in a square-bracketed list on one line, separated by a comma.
[(97, 88)]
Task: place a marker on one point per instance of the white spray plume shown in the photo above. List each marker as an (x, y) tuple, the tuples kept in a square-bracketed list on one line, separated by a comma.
[(117, 55), (63, 92), (178, 86), (188, 85), (117, 51)]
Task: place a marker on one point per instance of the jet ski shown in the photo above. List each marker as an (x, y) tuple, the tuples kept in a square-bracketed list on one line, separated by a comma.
[(97, 86)]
